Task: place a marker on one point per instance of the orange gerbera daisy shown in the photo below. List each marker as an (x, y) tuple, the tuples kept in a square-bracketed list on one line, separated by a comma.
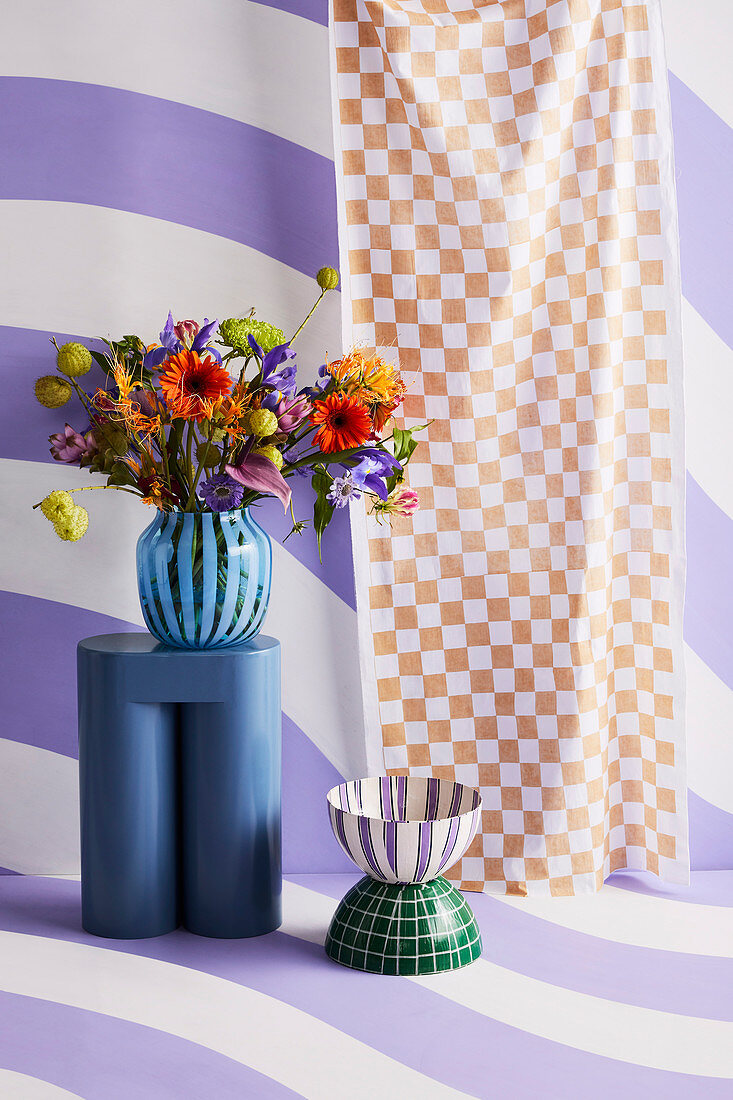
[(188, 381), (344, 423)]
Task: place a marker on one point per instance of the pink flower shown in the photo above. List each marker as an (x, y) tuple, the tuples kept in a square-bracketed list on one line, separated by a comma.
[(68, 446), (186, 331), (400, 502), (405, 502), (258, 473), (291, 412)]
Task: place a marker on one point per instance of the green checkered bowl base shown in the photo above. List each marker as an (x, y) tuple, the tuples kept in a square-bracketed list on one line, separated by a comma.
[(416, 928)]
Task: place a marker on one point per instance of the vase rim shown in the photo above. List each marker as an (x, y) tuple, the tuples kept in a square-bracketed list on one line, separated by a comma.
[(200, 512)]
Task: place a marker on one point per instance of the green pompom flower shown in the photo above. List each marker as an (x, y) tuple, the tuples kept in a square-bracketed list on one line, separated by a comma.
[(73, 360), (261, 423), (270, 451), (56, 504), (328, 278), (70, 526), (234, 332), (52, 391)]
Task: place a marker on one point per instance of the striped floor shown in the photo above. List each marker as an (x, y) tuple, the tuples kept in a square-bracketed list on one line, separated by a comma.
[(630, 991)]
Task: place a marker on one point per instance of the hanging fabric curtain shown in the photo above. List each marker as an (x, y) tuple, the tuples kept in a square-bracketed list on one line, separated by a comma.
[(508, 229)]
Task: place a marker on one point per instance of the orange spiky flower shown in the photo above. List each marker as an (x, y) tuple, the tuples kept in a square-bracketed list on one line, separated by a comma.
[(372, 380)]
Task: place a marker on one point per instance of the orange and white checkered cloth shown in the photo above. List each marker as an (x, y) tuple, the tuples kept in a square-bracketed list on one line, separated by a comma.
[(508, 229)]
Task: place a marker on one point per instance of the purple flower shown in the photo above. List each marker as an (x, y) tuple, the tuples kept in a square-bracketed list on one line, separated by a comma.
[(274, 376), (202, 338), (174, 336), (342, 491), (221, 492), (69, 446), (321, 383), (169, 345), (374, 466)]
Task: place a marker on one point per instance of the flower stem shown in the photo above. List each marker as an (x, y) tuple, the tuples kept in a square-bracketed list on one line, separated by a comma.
[(308, 316), (199, 468), (87, 488)]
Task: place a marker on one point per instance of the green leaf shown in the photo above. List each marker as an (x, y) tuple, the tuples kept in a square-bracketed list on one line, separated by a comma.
[(120, 475), (100, 360), (404, 443), (322, 509)]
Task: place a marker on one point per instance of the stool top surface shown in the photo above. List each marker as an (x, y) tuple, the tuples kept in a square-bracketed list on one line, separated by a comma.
[(140, 643)]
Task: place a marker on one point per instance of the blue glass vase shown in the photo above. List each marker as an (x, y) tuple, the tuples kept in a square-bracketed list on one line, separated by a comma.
[(204, 577)]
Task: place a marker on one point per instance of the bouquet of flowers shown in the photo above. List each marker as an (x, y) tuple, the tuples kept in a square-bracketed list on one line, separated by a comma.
[(210, 418)]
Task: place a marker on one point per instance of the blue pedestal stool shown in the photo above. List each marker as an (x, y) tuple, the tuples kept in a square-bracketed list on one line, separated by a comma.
[(179, 767)]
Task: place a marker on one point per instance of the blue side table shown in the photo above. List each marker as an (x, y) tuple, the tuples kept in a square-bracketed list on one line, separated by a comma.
[(179, 768)]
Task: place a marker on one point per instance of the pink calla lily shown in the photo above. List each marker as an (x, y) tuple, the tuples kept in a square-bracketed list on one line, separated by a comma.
[(258, 473)]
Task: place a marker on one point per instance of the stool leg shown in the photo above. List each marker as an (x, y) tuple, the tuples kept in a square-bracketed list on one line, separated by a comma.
[(128, 790), (232, 880)]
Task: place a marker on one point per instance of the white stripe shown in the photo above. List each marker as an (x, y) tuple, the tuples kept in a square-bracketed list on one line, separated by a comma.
[(642, 920), (709, 734), (708, 401), (244, 60), (20, 1086), (286, 1044), (91, 271), (698, 38), (611, 1029), (317, 630), (39, 820)]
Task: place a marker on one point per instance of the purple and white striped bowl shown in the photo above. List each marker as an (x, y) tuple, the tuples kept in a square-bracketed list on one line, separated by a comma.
[(403, 828)]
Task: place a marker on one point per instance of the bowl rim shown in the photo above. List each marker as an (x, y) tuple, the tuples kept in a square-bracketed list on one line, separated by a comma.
[(330, 796)]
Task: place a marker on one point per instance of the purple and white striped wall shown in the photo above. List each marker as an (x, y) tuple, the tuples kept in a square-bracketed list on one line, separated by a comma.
[(154, 163)]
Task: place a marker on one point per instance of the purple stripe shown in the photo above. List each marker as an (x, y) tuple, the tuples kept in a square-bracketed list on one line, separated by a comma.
[(703, 147), (409, 1024), (706, 887), (385, 794), (709, 596), (433, 789), (177, 163), (450, 843), (390, 844), (426, 836), (401, 798), (91, 1054), (367, 846), (711, 835), (314, 10), (338, 820)]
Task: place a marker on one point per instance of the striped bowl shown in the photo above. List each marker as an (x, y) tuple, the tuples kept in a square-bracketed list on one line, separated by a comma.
[(402, 829), (204, 578)]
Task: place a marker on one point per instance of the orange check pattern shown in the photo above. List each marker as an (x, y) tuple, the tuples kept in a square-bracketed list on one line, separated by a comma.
[(503, 213)]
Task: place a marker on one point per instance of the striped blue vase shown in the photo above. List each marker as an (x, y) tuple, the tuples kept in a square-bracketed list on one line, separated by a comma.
[(204, 577)]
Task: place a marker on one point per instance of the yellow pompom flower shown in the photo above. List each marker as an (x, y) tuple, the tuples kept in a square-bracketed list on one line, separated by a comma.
[(328, 278), (271, 452), (261, 423), (52, 392), (70, 526), (56, 504), (73, 360)]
